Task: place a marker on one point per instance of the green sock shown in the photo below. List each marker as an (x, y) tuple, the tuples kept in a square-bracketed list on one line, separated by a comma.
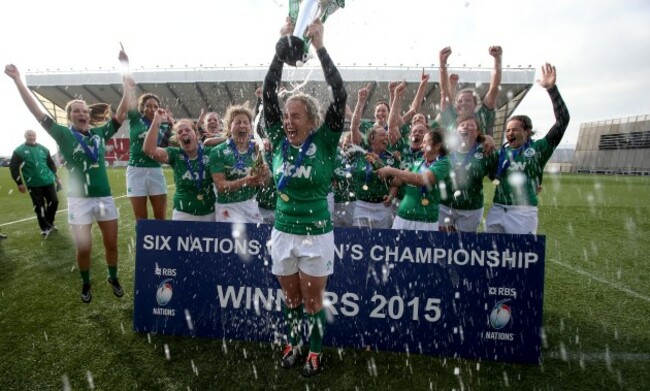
[(112, 272), (316, 323), (85, 276), (293, 317)]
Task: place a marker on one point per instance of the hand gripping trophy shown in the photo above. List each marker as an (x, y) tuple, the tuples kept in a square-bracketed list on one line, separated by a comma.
[(294, 50)]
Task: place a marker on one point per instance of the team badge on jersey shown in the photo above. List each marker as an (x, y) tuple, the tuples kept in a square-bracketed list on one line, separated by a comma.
[(312, 150), (478, 155), (530, 152)]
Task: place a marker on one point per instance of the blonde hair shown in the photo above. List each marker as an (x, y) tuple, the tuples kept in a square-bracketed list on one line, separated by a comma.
[(233, 111), (178, 124), (68, 106), (311, 106)]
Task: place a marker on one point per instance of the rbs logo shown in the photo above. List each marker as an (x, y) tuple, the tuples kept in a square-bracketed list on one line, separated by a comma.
[(502, 291)]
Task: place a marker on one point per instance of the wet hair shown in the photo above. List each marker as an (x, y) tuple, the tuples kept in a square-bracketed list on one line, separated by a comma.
[(373, 132), (437, 137), (480, 137), (311, 106), (68, 106), (100, 113), (525, 121), (232, 112), (144, 98), (475, 95)]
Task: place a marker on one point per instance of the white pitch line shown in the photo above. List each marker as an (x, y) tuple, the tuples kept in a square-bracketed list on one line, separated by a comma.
[(57, 212), (599, 357), (602, 280)]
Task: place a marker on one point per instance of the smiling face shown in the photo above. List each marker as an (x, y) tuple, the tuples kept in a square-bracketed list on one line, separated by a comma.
[(149, 108), (516, 135), (186, 136), (378, 138), (212, 123), (381, 113), (465, 103), (79, 114), (467, 132), (418, 119), (417, 135), (30, 137), (297, 121), (240, 128)]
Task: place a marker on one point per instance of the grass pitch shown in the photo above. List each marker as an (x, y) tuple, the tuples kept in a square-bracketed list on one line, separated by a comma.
[(596, 311)]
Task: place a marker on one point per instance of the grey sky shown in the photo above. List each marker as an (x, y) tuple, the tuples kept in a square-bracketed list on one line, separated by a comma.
[(599, 47)]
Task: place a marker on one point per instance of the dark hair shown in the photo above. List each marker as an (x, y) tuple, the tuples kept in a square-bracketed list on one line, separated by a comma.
[(471, 117), (100, 113), (525, 120), (145, 97), (383, 102), (437, 137)]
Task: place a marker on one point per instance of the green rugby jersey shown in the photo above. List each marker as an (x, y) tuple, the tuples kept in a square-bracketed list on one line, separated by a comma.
[(138, 127), (484, 115), (411, 208), (86, 179), (368, 186), (36, 172), (225, 159), (464, 185), (301, 207), (187, 194)]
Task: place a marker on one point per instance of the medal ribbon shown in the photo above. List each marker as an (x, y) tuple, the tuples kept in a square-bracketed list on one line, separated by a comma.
[(423, 189), (201, 173), (239, 159), (453, 157), (284, 179), (93, 154), (369, 167), (504, 162)]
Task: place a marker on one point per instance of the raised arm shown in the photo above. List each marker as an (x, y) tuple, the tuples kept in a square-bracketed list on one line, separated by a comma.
[(417, 100), (490, 100), (562, 117), (12, 71), (335, 115), (128, 97), (150, 146), (270, 102), (445, 98), (355, 121), (393, 117)]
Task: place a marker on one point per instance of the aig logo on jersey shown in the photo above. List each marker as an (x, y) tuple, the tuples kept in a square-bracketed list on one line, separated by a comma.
[(529, 152)]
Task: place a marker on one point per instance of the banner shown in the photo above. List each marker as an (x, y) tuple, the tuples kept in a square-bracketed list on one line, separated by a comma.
[(476, 296)]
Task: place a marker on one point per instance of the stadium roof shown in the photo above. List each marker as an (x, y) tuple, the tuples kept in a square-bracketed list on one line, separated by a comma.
[(186, 91)]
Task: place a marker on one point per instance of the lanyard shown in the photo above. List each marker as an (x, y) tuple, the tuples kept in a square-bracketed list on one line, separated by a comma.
[(423, 189), (284, 178), (454, 160), (196, 177), (504, 161), (239, 159), (93, 154)]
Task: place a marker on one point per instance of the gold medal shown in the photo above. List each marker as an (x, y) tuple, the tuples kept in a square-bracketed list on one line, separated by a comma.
[(199, 197), (284, 197), (496, 182), (365, 187), (425, 202)]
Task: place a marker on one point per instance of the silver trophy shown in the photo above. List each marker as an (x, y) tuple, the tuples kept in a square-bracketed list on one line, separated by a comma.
[(294, 49)]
